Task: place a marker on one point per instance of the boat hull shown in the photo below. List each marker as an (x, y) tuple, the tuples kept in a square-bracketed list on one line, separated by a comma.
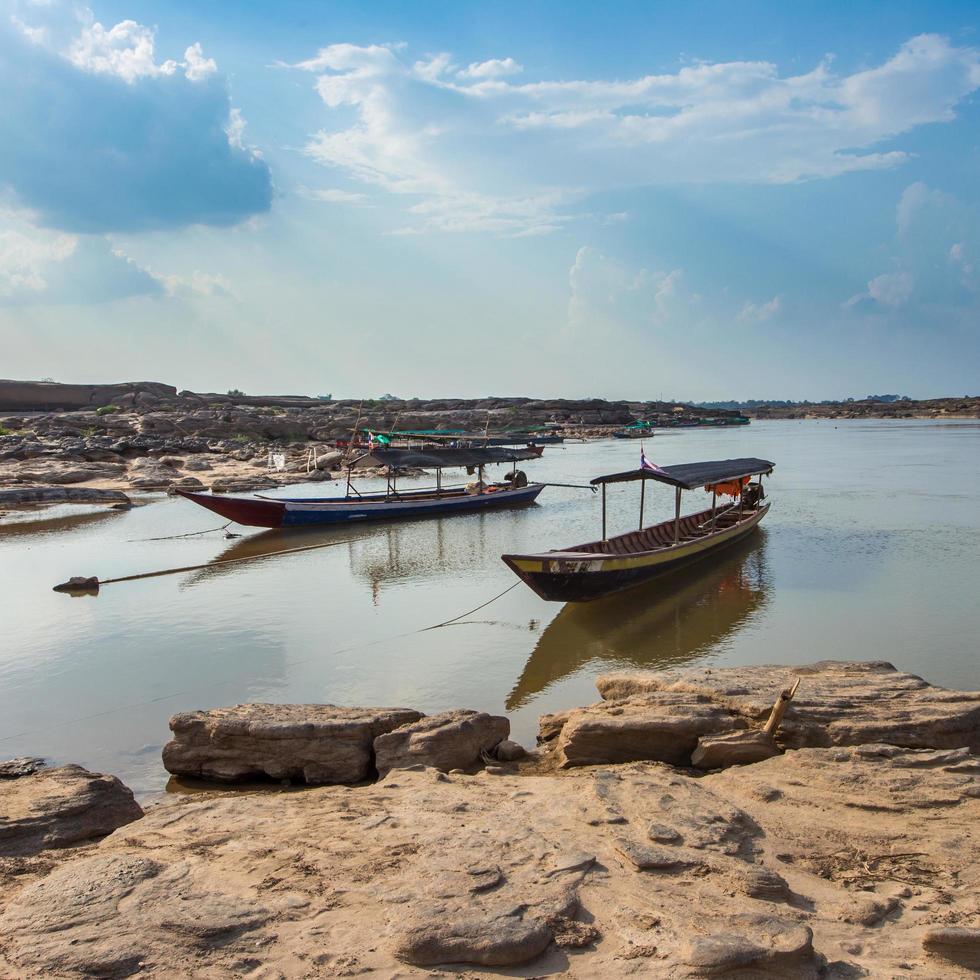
[(582, 577), (297, 512)]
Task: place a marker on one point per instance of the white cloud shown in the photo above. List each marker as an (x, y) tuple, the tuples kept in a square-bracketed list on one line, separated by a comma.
[(127, 51), (915, 199), (494, 68), (198, 283), (891, 289), (196, 66), (419, 130), (333, 195), (119, 141), (41, 267), (760, 312), (25, 257)]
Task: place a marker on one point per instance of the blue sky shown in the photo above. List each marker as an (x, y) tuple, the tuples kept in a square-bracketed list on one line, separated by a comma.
[(702, 200)]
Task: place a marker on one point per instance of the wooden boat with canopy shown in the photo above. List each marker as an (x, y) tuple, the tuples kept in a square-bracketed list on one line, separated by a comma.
[(513, 491), (589, 571)]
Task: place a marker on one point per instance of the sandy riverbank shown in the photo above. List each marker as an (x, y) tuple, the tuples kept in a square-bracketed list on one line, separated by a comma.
[(855, 858)]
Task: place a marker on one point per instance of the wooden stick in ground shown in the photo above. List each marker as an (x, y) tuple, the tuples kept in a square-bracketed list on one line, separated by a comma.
[(779, 708)]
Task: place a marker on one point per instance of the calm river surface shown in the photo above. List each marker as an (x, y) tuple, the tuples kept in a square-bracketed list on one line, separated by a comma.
[(869, 552)]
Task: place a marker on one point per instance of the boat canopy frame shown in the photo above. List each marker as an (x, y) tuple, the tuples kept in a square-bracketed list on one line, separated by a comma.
[(687, 476), (690, 476), (437, 459)]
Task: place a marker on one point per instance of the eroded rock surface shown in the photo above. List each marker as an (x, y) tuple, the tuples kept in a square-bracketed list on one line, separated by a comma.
[(60, 807), (841, 862), (451, 740), (312, 743), (838, 702), (665, 729)]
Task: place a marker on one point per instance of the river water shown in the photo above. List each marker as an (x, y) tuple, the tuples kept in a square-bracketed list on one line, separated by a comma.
[(869, 552)]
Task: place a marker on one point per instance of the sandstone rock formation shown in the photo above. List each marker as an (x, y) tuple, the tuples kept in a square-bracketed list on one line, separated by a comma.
[(851, 701), (665, 729), (837, 862), (452, 740), (312, 743), (60, 807), (661, 714)]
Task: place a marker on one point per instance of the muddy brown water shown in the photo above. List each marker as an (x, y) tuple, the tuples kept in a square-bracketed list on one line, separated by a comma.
[(869, 552)]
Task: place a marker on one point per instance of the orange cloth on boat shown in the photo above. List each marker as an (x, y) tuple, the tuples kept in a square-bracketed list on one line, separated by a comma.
[(730, 488)]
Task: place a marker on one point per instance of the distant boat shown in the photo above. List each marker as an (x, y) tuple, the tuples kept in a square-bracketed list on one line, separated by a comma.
[(393, 504), (599, 568), (638, 430)]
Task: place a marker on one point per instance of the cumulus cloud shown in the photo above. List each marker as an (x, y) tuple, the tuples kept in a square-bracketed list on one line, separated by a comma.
[(25, 258), (760, 312), (890, 289), (915, 199), (419, 129), (494, 68), (44, 267), (120, 141)]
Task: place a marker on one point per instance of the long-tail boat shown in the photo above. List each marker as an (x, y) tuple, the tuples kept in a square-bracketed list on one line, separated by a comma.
[(598, 568), (393, 503)]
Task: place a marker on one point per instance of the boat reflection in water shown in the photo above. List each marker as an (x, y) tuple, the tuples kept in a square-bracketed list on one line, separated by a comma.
[(650, 627), (381, 553)]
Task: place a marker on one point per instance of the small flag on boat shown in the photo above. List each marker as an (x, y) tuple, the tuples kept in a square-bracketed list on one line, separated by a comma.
[(645, 464)]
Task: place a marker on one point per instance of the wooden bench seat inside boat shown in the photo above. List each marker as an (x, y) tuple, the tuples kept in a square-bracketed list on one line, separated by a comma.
[(658, 536)]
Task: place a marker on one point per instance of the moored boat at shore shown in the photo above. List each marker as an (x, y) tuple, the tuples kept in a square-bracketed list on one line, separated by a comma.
[(392, 504), (612, 564)]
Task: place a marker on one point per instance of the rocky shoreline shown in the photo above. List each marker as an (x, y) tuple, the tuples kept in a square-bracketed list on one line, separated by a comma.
[(75, 443), (433, 846)]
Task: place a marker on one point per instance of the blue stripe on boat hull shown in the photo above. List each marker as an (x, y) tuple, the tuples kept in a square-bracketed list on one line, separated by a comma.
[(296, 515)]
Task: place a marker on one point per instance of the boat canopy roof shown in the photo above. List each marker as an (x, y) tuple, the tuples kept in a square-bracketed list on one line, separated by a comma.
[(436, 458), (690, 476)]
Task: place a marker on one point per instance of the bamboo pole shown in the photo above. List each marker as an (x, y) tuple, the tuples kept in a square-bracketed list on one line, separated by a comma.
[(779, 708)]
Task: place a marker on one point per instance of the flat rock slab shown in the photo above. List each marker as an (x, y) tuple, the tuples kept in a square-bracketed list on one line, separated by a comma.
[(311, 743), (664, 729), (733, 749), (451, 740), (61, 807), (838, 702), (856, 861)]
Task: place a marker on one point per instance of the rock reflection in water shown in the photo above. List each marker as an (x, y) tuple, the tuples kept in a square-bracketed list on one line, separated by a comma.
[(664, 624), (54, 520)]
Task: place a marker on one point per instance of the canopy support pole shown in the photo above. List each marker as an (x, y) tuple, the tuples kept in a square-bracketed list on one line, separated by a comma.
[(603, 512), (714, 500), (643, 487), (439, 480), (677, 514), (479, 471)]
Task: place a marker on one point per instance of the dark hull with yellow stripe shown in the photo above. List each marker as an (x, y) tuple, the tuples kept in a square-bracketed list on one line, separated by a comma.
[(601, 568)]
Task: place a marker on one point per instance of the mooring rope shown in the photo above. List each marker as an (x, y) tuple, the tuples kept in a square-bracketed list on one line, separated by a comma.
[(289, 663), (173, 537), (449, 622)]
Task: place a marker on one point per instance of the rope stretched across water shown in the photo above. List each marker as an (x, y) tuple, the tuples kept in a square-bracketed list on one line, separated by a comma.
[(289, 663)]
